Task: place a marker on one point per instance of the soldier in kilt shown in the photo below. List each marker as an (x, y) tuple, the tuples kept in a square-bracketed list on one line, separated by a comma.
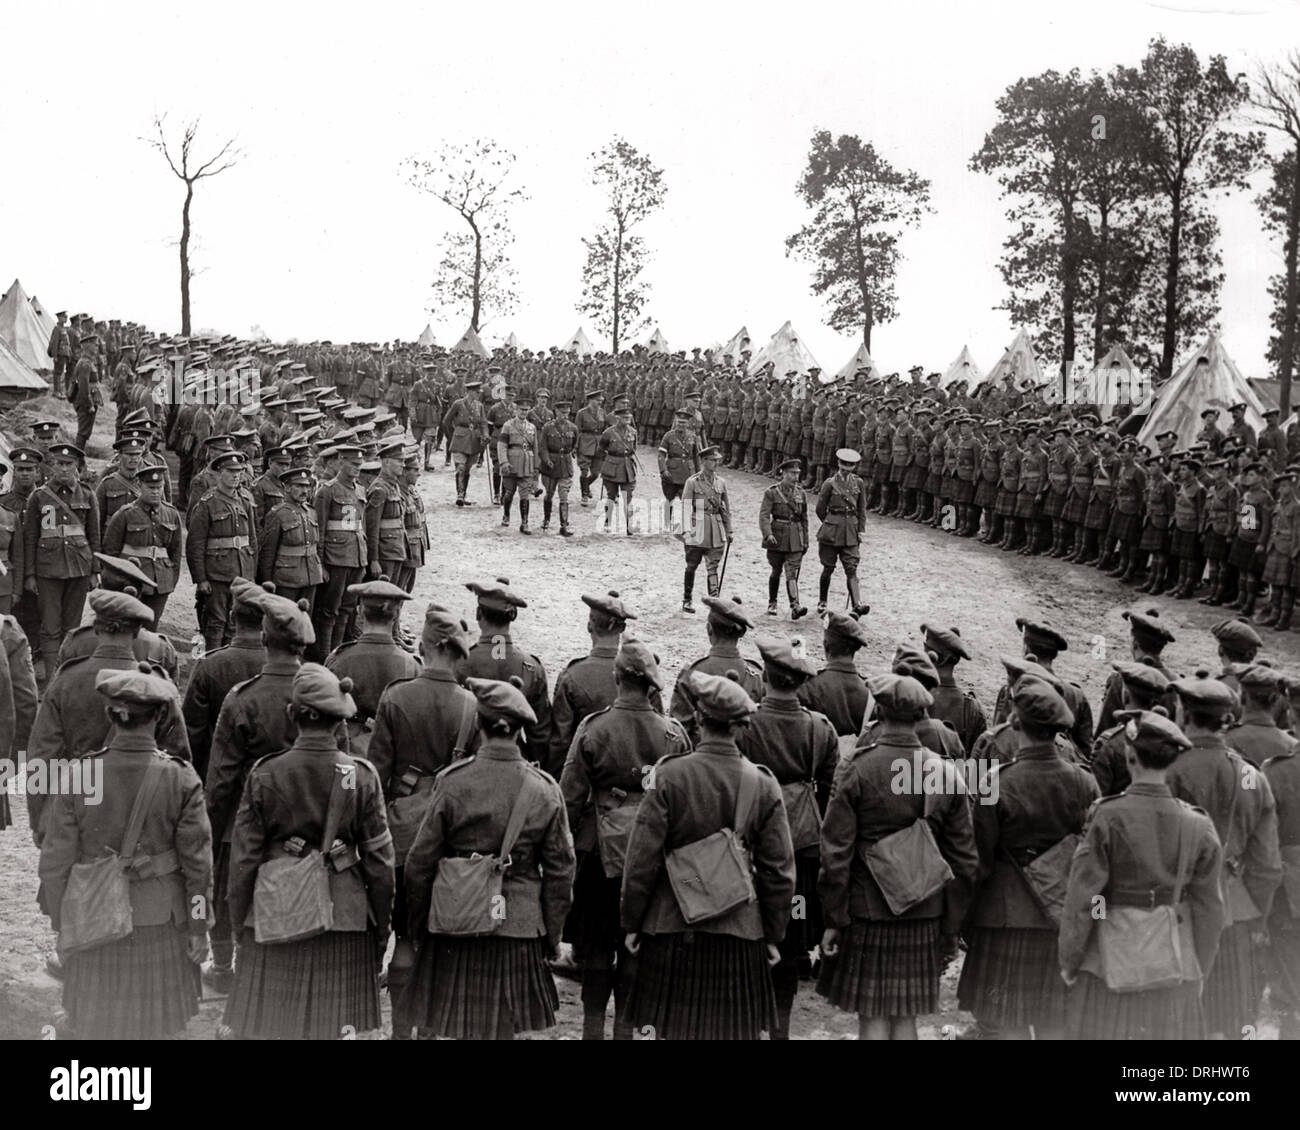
[(1098, 547), (986, 489), (916, 481), (1009, 488), (792, 438), (1010, 978), (948, 481), (144, 986), (886, 967), (1250, 536), (1132, 844), (1060, 468), (712, 983), (968, 474), (1157, 524), (1125, 530), (900, 461), (881, 456), (777, 409), (326, 986), (1283, 551), (801, 749), (1218, 521), (806, 424), (1029, 495), (1082, 474), (934, 474), (491, 986), (1185, 538)]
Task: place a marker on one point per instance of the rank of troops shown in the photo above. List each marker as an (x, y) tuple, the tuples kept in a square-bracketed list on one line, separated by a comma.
[(313, 728)]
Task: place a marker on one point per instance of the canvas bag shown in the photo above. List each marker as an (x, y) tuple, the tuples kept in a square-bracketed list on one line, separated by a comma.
[(800, 799), (907, 866), (96, 906), (713, 875), (467, 892), (1142, 948), (614, 827), (406, 813), (291, 897), (1047, 876)]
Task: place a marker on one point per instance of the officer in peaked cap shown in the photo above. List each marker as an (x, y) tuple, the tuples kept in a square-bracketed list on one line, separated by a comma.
[(842, 508), (289, 539), (783, 524), (496, 656), (222, 545), (727, 622)]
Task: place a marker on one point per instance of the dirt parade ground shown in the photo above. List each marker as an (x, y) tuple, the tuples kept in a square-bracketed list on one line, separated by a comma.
[(910, 575)]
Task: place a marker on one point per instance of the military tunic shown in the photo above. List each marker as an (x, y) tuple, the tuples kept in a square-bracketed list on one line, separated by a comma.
[(496, 656), (371, 661), (222, 545)]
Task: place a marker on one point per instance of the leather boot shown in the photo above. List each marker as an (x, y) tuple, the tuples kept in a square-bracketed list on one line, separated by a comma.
[(797, 610), (1284, 619), (546, 513), (1215, 596), (523, 517), (1149, 585), (1185, 585), (1274, 608), (1249, 596), (1127, 566)]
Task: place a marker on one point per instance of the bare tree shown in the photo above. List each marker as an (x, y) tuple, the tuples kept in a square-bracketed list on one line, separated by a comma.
[(472, 180), (190, 170), (1275, 99)]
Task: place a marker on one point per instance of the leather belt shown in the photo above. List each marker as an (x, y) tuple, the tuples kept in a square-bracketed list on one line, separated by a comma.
[(152, 552), (77, 530), (292, 551), (392, 523), (346, 527), (239, 542)]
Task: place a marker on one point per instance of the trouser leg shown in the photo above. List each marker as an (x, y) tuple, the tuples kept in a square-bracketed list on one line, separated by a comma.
[(216, 616)]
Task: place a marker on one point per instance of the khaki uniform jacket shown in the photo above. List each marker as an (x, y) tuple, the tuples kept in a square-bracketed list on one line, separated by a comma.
[(222, 539), (60, 532), (340, 512), (842, 508), (289, 546), (149, 537)]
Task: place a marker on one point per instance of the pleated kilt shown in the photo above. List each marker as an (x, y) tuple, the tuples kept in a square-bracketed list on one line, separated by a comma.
[(143, 987), (773, 440), (1242, 555), (897, 472), (318, 989), (593, 925), (695, 986), (986, 493), (481, 988), (934, 482), (1054, 503), (1093, 1012), (1006, 502), (1075, 508), (1235, 984), (793, 445), (947, 484), (887, 968), (1184, 544), (664, 417), (1011, 978), (806, 448), (1153, 538), (1026, 504), (822, 452), (879, 472), (963, 491), (1125, 527), (1098, 516), (916, 477), (1277, 571), (1214, 546)]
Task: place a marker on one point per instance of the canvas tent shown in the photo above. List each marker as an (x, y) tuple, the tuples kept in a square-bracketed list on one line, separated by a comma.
[(21, 329), (17, 381), (1019, 363), (512, 342), (861, 359), (657, 343), (964, 368), (426, 336), (736, 345), (470, 343), (1108, 384), (787, 353), (47, 320), (580, 344), (1209, 378)]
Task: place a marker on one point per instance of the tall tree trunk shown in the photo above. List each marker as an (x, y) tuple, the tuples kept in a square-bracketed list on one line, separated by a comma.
[(185, 259), (1170, 342), (478, 275), (1292, 289), (618, 284), (864, 284), (1069, 287), (1102, 259)]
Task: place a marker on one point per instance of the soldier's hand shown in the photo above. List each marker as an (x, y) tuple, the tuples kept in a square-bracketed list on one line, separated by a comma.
[(773, 955), (632, 943), (204, 588), (94, 580), (30, 585), (324, 575), (769, 542), (198, 948), (375, 569), (830, 946)]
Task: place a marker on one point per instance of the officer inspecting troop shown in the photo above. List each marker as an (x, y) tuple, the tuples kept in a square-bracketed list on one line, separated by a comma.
[(703, 863)]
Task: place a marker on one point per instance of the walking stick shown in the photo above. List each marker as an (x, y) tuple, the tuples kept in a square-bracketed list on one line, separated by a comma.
[(722, 572)]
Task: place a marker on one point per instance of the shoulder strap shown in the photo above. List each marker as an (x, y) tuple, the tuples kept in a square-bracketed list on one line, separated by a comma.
[(1184, 859), (747, 795), (518, 814), (468, 714), (334, 813), (140, 809)]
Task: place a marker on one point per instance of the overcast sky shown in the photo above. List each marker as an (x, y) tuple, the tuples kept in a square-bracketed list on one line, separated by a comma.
[(316, 234)]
